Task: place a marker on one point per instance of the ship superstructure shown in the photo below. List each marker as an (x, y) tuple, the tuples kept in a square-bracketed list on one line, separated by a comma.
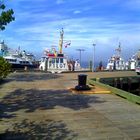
[(116, 62), (17, 58), (56, 61)]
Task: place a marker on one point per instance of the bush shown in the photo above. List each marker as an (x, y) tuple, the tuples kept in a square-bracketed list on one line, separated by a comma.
[(5, 68)]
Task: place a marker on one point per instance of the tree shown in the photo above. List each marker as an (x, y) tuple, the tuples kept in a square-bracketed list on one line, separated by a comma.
[(6, 16), (5, 68)]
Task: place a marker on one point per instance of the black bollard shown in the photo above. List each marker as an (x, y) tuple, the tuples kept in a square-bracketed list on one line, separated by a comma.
[(82, 79)]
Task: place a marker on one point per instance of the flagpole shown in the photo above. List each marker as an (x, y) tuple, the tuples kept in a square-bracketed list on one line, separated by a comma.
[(93, 61)]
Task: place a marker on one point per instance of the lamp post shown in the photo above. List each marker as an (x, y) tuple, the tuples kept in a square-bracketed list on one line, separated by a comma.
[(80, 50), (93, 63)]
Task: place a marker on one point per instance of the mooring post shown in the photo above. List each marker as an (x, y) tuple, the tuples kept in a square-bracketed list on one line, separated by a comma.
[(82, 79)]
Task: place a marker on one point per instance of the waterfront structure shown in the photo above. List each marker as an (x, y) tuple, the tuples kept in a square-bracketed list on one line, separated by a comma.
[(17, 58), (137, 69), (116, 62), (56, 61)]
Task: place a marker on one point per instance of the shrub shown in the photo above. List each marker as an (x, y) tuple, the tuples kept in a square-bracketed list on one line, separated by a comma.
[(5, 68)]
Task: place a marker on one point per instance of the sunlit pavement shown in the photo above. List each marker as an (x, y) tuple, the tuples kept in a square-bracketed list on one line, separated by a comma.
[(40, 106)]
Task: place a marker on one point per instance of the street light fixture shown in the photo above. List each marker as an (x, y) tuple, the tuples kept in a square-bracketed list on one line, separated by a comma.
[(80, 50)]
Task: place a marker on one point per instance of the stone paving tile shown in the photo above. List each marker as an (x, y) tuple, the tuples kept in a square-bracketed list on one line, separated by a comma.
[(75, 117), (100, 135)]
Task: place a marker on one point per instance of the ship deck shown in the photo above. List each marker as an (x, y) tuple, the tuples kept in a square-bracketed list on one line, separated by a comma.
[(36, 105)]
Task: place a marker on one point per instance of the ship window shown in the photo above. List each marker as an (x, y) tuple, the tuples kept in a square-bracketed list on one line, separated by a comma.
[(11, 60), (50, 62), (53, 60), (57, 60), (8, 60), (61, 60)]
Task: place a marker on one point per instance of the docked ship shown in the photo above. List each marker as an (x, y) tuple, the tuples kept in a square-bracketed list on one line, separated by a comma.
[(116, 62), (134, 62), (56, 61), (17, 58), (131, 63), (137, 69)]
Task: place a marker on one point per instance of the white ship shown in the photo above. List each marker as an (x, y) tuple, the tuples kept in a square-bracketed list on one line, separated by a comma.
[(18, 59), (137, 69), (131, 63), (56, 61), (116, 62)]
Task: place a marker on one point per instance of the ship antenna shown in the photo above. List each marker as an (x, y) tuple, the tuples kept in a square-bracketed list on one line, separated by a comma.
[(119, 49), (61, 41)]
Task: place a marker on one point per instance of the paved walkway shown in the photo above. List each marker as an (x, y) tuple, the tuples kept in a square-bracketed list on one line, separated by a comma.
[(39, 106)]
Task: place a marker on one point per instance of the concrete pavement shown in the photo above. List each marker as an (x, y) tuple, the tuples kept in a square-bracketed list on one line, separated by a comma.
[(40, 106)]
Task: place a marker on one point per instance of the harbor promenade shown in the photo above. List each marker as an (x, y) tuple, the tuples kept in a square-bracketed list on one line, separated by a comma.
[(40, 106)]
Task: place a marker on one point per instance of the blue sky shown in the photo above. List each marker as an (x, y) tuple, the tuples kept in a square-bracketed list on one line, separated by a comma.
[(103, 22)]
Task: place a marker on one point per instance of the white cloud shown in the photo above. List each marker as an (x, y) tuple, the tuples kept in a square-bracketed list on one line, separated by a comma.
[(79, 32), (60, 1), (77, 12), (132, 4), (38, 30)]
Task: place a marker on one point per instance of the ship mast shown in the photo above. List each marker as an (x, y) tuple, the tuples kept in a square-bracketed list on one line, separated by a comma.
[(118, 50), (61, 41)]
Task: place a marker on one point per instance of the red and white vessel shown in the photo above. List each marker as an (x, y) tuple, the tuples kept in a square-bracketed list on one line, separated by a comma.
[(56, 61)]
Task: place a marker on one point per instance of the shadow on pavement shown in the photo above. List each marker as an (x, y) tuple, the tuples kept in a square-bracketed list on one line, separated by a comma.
[(30, 77), (33, 99), (4, 81), (44, 130)]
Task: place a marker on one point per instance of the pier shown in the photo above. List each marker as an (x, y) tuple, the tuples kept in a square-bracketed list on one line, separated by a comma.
[(35, 105)]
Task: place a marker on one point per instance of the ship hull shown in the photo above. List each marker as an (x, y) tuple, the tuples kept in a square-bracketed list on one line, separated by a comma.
[(19, 66)]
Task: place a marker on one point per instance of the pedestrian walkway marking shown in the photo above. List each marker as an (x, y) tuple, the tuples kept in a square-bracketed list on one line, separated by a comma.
[(94, 90)]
